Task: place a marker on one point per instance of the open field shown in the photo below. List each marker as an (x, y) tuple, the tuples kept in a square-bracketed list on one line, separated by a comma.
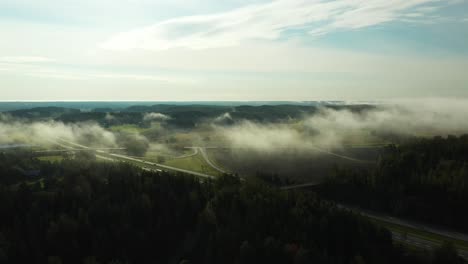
[(55, 158), (298, 166), (194, 163), (128, 128)]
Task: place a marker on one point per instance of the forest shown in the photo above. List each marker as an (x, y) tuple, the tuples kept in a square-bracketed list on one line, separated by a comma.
[(81, 210), (182, 116), (424, 179)]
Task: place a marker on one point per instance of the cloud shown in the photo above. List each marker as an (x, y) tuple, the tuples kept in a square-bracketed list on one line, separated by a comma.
[(262, 137), (70, 75), (267, 21), (25, 59), (155, 117), (46, 132), (430, 117), (136, 77), (331, 129), (27, 66), (224, 117), (109, 117)]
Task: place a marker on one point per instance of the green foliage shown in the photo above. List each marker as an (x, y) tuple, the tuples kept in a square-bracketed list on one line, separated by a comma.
[(425, 179), (92, 212), (193, 163), (446, 254), (182, 116)]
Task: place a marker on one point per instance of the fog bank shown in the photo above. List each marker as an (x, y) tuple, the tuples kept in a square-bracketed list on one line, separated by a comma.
[(331, 128), (44, 132)]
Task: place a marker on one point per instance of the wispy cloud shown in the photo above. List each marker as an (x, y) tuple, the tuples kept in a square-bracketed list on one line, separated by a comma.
[(25, 59), (136, 77), (67, 75), (27, 67), (269, 21)]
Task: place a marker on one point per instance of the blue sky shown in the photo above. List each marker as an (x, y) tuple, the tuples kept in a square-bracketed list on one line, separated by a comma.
[(233, 49)]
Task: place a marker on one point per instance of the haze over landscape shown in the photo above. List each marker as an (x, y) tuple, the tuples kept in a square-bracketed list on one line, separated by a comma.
[(237, 131)]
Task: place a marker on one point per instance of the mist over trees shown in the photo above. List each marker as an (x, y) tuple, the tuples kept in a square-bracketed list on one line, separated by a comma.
[(134, 144)]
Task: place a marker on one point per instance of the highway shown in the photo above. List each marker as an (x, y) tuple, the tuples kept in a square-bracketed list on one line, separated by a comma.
[(315, 148), (414, 239), (299, 186), (195, 152), (147, 165), (422, 243), (341, 156), (202, 150), (75, 149)]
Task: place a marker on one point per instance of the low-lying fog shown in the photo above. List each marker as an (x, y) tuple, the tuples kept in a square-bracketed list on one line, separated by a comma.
[(328, 129), (331, 128)]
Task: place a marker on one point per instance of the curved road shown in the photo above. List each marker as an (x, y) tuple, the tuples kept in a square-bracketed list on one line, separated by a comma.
[(207, 160), (202, 150), (195, 152), (143, 163)]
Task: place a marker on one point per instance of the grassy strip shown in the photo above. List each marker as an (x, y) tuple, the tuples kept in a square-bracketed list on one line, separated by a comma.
[(421, 234), (51, 158), (128, 128), (194, 163), (186, 166)]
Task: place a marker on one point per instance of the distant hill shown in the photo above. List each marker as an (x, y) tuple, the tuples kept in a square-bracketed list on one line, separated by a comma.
[(43, 112), (88, 106), (179, 115)]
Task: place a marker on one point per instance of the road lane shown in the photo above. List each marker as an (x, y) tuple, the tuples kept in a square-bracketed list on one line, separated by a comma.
[(409, 238), (143, 163), (414, 239), (299, 186), (207, 160)]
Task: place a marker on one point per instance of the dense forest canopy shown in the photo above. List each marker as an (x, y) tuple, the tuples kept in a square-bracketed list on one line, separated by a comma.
[(84, 211), (423, 179)]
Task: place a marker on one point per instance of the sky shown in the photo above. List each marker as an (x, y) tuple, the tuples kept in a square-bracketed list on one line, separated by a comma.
[(232, 50)]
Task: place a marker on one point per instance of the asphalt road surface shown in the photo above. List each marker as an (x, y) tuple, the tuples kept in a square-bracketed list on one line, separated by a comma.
[(416, 240), (143, 163), (207, 160), (299, 186)]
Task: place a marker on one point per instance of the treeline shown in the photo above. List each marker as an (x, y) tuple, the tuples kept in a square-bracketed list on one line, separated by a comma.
[(85, 211), (425, 179), (19, 165), (181, 116)]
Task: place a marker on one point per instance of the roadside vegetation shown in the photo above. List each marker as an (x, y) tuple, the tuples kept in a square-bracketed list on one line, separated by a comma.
[(193, 163), (424, 179)]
